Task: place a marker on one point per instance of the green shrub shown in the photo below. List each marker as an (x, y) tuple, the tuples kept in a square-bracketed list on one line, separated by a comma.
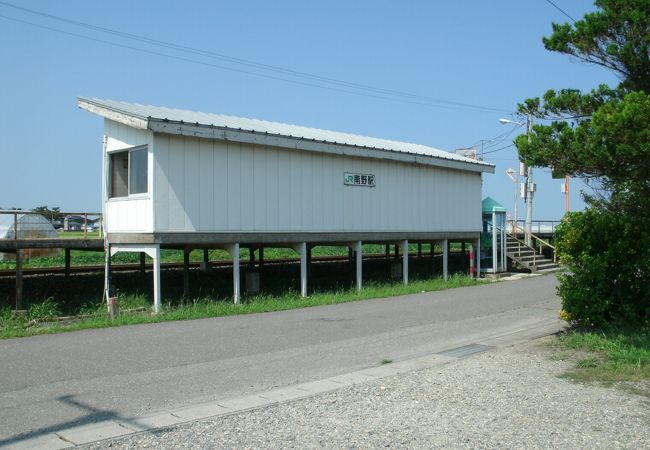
[(607, 257)]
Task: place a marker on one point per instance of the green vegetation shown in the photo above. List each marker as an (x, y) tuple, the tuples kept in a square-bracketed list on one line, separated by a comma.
[(607, 355), (73, 292), (137, 308), (603, 137), (49, 213), (79, 235)]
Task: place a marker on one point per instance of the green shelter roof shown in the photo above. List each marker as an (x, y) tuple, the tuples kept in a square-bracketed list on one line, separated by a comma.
[(491, 205)]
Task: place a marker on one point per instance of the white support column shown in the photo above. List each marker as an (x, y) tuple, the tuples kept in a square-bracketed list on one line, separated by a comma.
[(359, 264), (154, 252), (445, 258), (478, 258), (301, 249), (233, 249), (405, 261), (504, 263), (495, 243), (157, 300)]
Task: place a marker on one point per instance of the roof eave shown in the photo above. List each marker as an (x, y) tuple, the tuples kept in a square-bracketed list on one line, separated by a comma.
[(113, 113)]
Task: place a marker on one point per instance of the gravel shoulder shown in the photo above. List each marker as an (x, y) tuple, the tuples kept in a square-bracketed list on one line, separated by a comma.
[(509, 397)]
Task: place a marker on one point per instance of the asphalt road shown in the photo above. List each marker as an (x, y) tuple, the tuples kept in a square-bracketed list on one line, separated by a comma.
[(54, 382)]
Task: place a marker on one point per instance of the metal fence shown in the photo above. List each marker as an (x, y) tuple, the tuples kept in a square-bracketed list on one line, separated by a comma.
[(20, 224)]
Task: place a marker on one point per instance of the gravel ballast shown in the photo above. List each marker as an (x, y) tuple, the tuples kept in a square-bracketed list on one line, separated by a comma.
[(505, 398)]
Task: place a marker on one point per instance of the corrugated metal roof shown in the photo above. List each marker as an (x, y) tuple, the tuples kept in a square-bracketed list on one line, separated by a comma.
[(148, 112)]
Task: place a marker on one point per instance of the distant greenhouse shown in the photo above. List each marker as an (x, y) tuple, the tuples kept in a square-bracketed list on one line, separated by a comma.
[(30, 226)]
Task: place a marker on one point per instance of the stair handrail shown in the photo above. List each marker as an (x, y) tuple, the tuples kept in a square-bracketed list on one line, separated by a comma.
[(542, 242), (519, 244), (541, 247)]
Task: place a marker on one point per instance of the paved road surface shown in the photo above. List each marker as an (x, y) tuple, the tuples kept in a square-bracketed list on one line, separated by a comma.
[(50, 383)]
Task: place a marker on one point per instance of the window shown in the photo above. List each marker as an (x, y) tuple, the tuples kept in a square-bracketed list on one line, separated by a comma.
[(128, 172), (138, 171)]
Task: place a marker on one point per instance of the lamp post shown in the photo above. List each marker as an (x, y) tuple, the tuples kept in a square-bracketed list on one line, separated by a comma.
[(530, 187)]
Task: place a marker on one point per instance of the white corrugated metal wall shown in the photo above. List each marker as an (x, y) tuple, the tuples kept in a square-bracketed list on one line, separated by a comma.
[(130, 214), (209, 185)]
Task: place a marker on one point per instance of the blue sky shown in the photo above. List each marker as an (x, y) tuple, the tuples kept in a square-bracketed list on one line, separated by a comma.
[(473, 52)]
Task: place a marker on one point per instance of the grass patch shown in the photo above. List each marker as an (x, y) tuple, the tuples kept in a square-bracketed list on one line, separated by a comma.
[(12, 325), (608, 355)]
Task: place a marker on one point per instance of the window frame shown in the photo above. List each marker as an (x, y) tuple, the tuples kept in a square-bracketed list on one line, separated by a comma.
[(109, 174)]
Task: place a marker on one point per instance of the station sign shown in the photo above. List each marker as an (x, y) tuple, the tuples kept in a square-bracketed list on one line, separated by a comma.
[(358, 179)]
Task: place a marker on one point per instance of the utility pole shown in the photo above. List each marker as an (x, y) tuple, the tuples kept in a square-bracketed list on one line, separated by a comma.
[(530, 189), (567, 180)]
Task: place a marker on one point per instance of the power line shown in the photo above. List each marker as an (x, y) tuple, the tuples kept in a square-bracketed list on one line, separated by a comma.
[(181, 58), (499, 149), (493, 142), (499, 139), (385, 94), (561, 10)]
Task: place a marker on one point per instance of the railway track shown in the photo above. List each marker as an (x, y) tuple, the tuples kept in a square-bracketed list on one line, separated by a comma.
[(214, 264)]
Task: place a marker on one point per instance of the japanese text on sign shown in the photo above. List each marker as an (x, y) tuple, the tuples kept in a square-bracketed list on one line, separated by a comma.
[(358, 179)]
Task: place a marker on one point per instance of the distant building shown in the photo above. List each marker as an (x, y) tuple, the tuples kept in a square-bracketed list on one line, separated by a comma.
[(470, 153)]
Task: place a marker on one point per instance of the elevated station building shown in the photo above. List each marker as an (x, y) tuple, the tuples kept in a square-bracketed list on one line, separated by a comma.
[(190, 180)]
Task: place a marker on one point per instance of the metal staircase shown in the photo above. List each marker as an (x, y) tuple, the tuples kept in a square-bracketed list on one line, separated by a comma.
[(528, 257)]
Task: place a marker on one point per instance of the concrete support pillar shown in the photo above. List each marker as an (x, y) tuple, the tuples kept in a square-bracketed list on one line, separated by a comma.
[(495, 243), (419, 250), (504, 263), (186, 272), (433, 249), (387, 252), (251, 257), (233, 250), (405, 260), (19, 279), (67, 262), (359, 264), (157, 300), (445, 258), (477, 254), (261, 257), (142, 263), (205, 264), (301, 249), (309, 249)]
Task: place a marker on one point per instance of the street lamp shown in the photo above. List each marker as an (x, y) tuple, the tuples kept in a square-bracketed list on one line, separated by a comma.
[(529, 186)]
